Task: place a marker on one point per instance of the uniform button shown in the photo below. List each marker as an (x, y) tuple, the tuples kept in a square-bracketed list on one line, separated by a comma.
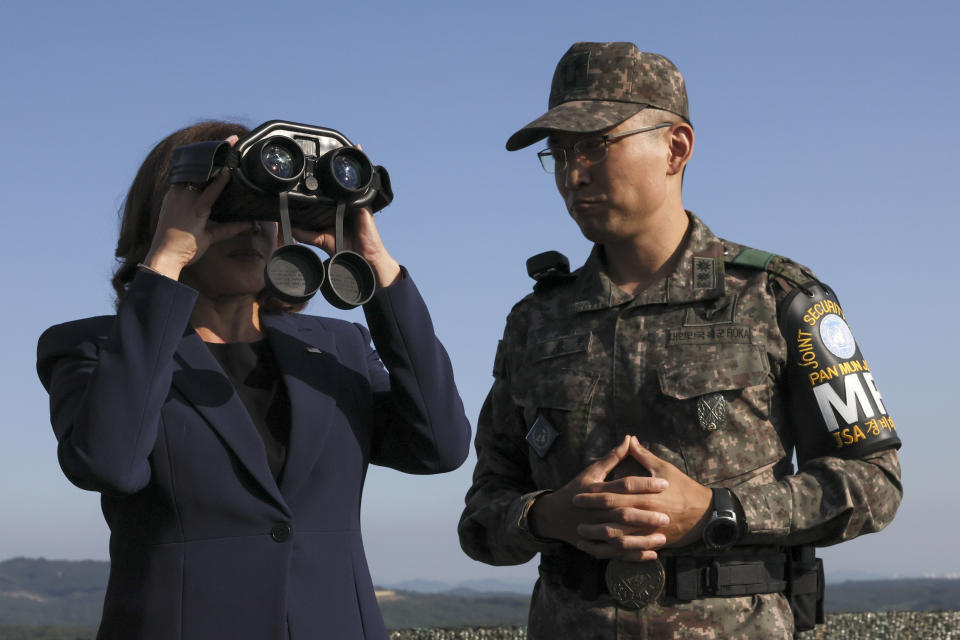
[(280, 532)]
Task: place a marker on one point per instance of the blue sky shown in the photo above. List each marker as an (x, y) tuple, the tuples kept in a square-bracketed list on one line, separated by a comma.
[(824, 131)]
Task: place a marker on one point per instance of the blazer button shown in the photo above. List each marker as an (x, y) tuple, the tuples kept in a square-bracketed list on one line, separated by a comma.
[(280, 532)]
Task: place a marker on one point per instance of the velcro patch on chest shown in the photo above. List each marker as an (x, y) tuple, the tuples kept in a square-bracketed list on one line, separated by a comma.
[(541, 435), (561, 346), (719, 311)]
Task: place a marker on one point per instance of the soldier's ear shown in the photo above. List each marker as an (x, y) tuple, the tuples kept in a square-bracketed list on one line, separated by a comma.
[(680, 147)]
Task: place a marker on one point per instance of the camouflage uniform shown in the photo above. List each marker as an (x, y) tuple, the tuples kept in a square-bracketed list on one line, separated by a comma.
[(693, 367)]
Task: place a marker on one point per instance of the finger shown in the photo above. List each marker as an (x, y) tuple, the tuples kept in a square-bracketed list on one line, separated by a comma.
[(607, 501), (602, 467), (181, 191), (214, 189), (646, 457), (309, 236), (322, 240), (618, 547), (630, 516), (604, 532), (363, 213), (361, 222), (641, 556), (232, 140), (623, 522), (613, 501), (634, 509), (630, 484)]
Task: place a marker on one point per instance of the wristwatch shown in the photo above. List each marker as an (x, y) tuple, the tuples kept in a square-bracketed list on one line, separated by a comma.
[(723, 529)]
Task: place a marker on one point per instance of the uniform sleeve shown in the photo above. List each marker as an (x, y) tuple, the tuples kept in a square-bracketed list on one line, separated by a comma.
[(106, 388), (421, 426), (494, 527), (830, 500)]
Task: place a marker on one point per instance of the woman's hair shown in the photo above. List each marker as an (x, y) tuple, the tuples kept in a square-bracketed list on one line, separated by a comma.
[(141, 207)]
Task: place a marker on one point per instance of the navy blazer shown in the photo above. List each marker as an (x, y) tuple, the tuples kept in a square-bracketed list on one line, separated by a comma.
[(204, 543)]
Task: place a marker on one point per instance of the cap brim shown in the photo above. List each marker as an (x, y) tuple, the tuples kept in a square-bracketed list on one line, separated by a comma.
[(577, 116)]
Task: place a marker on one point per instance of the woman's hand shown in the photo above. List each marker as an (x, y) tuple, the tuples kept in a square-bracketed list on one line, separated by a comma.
[(184, 229), (364, 239)]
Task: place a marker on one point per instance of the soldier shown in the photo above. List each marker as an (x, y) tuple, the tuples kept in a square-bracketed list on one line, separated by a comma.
[(645, 408)]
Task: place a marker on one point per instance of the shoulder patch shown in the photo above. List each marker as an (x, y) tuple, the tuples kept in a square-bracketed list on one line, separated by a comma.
[(779, 267), (753, 258), (833, 396)]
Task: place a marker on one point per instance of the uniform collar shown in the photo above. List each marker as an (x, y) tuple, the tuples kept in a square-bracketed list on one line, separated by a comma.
[(697, 276)]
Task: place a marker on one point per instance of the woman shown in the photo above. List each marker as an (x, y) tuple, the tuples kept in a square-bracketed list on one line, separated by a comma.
[(229, 437)]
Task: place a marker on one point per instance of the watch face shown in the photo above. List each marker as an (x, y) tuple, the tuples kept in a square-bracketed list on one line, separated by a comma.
[(721, 533)]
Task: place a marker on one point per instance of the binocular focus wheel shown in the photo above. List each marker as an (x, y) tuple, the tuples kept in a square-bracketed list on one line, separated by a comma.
[(294, 273)]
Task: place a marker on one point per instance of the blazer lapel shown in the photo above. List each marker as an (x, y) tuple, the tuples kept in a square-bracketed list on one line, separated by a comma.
[(308, 359), (204, 384)]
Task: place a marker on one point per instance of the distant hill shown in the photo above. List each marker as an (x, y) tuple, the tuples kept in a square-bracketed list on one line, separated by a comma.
[(53, 592), (904, 594), (35, 592), (409, 609)]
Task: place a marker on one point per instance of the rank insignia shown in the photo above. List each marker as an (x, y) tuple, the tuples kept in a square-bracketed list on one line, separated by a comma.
[(704, 273), (711, 411), (541, 435)]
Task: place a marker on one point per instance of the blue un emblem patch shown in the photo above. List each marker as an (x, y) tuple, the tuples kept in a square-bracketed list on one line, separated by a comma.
[(541, 435)]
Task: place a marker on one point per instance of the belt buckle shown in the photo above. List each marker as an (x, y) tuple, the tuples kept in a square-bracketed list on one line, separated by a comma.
[(634, 585)]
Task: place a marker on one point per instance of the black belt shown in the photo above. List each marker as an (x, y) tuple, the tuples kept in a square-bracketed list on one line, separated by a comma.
[(693, 577), (688, 577)]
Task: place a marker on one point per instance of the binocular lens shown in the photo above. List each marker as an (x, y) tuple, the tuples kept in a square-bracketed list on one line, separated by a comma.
[(274, 164), (278, 161), (345, 174), (347, 171)]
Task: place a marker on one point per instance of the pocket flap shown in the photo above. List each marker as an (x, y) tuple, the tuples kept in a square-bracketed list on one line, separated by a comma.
[(560, 346), (564, 389), (726, 368)]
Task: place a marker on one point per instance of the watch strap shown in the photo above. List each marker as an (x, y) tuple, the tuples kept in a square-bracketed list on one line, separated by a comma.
[(723, 501)]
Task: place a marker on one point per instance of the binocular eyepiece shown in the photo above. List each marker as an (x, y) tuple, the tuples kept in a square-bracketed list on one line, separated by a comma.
[(317, 169)]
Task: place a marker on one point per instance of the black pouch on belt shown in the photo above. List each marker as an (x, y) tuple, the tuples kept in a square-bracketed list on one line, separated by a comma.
[(805, 587)]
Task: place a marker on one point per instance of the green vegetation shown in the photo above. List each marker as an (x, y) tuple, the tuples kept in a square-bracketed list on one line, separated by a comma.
[(889, 625), (60, 600)]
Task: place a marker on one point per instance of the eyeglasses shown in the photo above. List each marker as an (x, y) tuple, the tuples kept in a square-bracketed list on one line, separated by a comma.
[(588, 151)]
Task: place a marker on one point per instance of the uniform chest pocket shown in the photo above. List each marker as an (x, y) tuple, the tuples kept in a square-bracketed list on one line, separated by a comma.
[(557, 389), (715, 400), (555, 373)]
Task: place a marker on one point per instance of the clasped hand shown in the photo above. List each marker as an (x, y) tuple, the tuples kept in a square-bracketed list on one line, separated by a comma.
[(627, 518)]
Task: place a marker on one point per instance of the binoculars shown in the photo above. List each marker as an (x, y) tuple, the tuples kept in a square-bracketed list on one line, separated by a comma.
[(316, 170)]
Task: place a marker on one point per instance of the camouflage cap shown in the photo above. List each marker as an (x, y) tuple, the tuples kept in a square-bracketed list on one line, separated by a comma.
[(600, 84)]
